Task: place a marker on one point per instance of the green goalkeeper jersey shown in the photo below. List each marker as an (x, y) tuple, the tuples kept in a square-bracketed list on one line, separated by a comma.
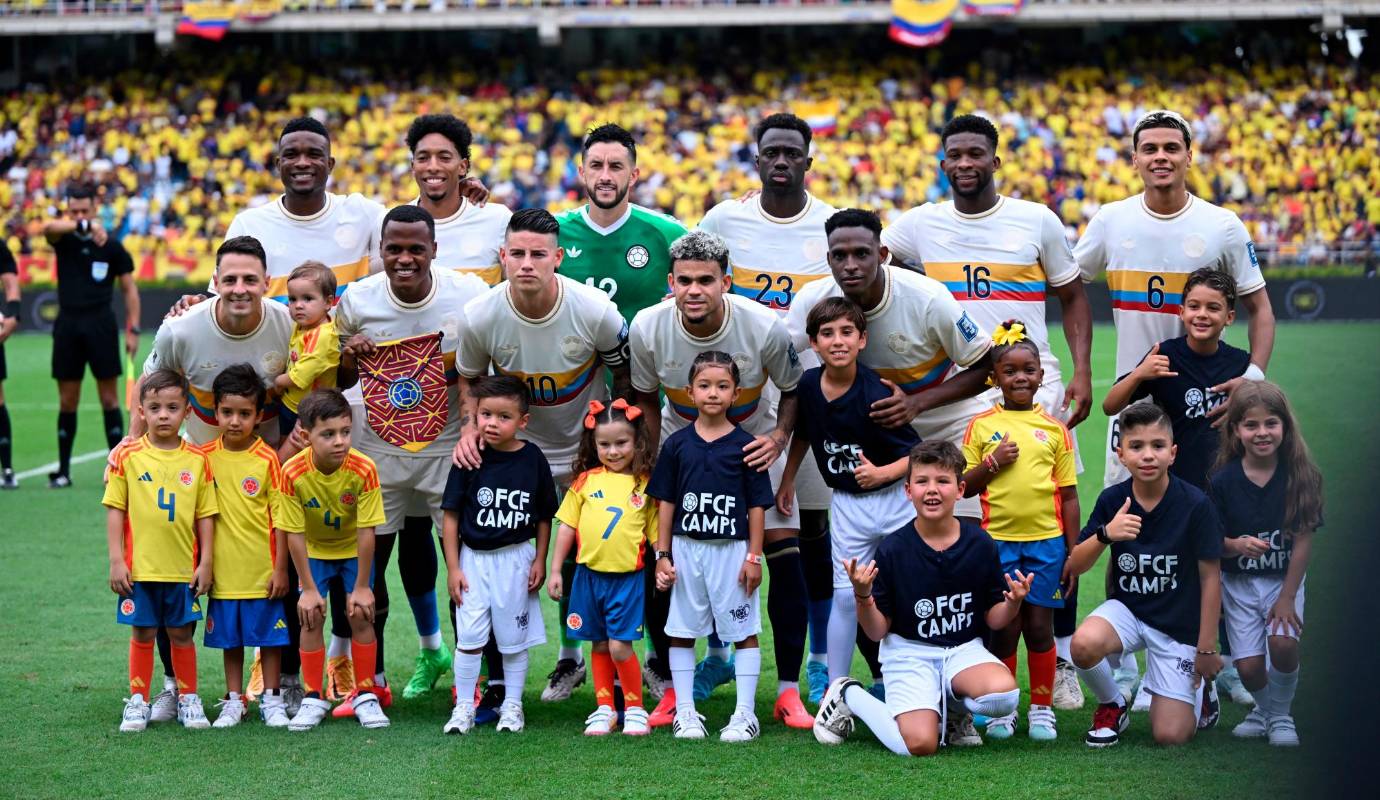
[(629, 261)]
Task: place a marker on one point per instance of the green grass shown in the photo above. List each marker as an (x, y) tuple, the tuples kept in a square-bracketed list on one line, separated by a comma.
[(64, 660)]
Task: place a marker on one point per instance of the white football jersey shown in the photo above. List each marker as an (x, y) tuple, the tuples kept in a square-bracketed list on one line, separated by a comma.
[(996, 264), (662, 352), (561, 357), (469, 240), (772, 259), (371, 309), (344, 236), (1148, 258), (196, 346)]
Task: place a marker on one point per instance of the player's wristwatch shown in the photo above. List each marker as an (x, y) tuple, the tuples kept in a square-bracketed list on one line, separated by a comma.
[(666, 554), (1102, 535), (754, 558)]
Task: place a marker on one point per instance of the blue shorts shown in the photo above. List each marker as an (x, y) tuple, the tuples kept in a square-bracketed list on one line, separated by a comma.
[(606, 605), (155, 604), (1045, 560), (253, 622), (327, 572), (287, 420)]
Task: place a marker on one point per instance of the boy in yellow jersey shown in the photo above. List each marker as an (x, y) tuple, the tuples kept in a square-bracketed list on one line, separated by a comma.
[(1020, 460), (329, 508), (250, 557), (160, 522), (314, 350)]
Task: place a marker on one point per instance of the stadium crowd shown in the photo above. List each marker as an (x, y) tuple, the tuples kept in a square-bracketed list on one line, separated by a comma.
[(176, 152)]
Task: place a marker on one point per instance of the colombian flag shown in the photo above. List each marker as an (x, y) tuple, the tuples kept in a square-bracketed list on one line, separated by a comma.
[(921, 23), (822, 116), (992, 8), (207, 20)]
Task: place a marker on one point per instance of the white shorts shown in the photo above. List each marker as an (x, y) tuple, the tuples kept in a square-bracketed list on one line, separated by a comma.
[(1168, 663), (918, 677), (412, 487), (707, 597), (1050, 396), (859, 522), (1246, 604), (948, 424), (498, 599)]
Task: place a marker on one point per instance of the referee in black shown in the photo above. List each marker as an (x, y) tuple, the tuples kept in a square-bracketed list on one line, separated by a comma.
[(89, 263), (9, 321)]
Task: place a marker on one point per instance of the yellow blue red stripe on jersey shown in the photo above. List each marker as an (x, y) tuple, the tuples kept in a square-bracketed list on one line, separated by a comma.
[(983, 281), (920, 377), (1143, 290), (772, 289), (748, 400), (345, 274), (556, 388), (492, 274)]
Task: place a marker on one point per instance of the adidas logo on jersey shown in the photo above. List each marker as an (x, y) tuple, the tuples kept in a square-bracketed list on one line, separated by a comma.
[(279, 625), (146, 477), (313, 503), (574, 252), (599, 494)]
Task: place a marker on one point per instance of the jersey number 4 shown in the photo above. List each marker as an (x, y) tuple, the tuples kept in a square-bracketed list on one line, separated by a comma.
[(331, 521), (168, 502)]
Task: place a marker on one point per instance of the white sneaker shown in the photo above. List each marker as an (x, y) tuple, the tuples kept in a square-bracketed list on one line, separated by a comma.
[(1142, 702), (959, 731), (1229, 686), (163, 707), (369, 712), (231, 712), (461, 718), (190, 713), (293, 694), (1003, 727), (273, 711), (313, 710), (652, 683), (601, 722), (510, 717), (742, 727), (689, 726), (562, 680), (1068, 692), (1282, 732), (1254, 726), (136, 716), (1043, 726), (635, 722), (834, 721)]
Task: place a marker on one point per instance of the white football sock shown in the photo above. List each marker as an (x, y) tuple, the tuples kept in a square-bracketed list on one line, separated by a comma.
[(576, 654), (339, 646), (431, 641), (819, 657), (1099, 678), (746, 669), (683, 678), (1281, 689), (993, 705), (718, 652), (785, 686), (842, 633), (1063, 647), (514, 676), (466, 675), (877, 717)]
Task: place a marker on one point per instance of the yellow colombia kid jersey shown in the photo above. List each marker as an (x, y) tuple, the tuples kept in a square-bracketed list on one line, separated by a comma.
[(1022, 503), (313, 358), (247, 484), (611, 514), (163, 493), (330, 509)]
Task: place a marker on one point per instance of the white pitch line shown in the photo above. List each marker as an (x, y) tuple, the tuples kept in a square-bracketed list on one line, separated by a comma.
[(51, 466)]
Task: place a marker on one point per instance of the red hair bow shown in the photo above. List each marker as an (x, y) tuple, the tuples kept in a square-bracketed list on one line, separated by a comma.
[(630, 411)]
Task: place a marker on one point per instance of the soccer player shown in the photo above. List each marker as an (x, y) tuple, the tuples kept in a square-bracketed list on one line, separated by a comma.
[(776, 239), (329, 508), (89, 264), (250, 557), (9, 322), (408, 300), (468, 235), (705, 315), (610, 243), (160, 526)]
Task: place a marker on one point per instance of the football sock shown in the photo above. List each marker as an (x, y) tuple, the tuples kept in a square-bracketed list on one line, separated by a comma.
[(466, 667), (165, 648), (363, 656), (788, 606), (1099, 678), (820, 611), (785, 686), (6, 443), (339, 646), (1011, 664), (1262, 700), (515, 670), (746, 669), (184, 668), (877, 717), (683, 678), (997, 704), (67, 435), (1041, 667), (601, 665), (1281, 688), (418, 568), (630, 675), (313, 669), (843, 628), (428, 619), (871, 653), (714, 646), (140, 668), (572, 652), (819, 657), (1063, 646), (114, 426), (493, 660)]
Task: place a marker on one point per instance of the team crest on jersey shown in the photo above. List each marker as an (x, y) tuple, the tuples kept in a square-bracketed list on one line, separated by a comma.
[(250, 486), (347, 499), (740, 614), (345, 236), (814, 248), (99, 269), (689, 502), (1041, 436), (573, 621), (924, 609), (404, 388), (897, 342), (1127, 562), (127, 607), (485, 496), (1194, 245), (210, 624), (574, 347), (185, 477), (635, 500), (967, 327), (743, 360), (638, 257), (273, 362)]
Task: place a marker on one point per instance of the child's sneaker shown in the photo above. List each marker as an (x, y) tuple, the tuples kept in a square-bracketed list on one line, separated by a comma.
[(1043, 727), (190, 713), (562, 680), (834, 722), (1068, 693), (1211, 710), (293, 694), (1282, 732), (8, 481), (369, 712), (689, 726), (817, 678), (665, 711), (486, 705), (635, 722), (163, 707), (382, 694), (959, 730), (1003, 727), (273, 711), (742, 727), (791, 711), (136, 716), (652, 683), (231, 712), (710, 673), (461, 719), (510, 717), (1110, 720), (313, 710), (601, 722), (430, 665), (1254, 726), (340, 677)]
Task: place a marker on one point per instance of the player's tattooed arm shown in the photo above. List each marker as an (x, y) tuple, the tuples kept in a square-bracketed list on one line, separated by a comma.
[(902, 409), (468, 451), (621, 375), (651, 412)]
